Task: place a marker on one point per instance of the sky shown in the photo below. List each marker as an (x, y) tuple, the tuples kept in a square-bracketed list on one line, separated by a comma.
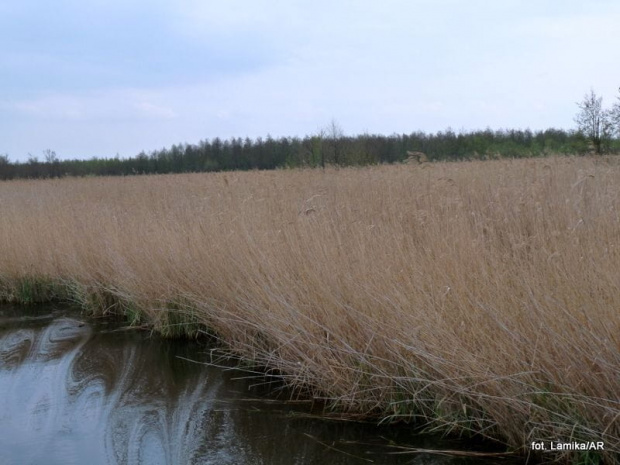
[(100, 78)]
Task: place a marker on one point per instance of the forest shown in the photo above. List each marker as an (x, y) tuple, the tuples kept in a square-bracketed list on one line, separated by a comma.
[(328, 147)]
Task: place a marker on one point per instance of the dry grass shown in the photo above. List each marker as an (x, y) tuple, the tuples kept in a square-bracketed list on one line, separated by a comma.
[(481, 296)]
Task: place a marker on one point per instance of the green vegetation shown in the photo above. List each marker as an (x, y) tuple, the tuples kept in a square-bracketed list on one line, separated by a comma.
[(327, 148)]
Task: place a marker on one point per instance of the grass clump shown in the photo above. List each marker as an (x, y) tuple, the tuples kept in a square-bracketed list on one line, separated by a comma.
[(27, 290), (480, 298)]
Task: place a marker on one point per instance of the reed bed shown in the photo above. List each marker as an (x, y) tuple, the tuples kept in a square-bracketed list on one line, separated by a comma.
[(477, 297)]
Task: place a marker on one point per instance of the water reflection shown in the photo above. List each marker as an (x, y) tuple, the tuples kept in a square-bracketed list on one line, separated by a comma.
[(74, 394)]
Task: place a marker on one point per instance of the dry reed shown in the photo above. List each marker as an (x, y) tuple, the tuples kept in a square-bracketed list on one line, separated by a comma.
[(480, 297)]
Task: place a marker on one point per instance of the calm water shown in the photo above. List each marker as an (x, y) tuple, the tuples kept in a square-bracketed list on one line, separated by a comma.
[(73, 391)]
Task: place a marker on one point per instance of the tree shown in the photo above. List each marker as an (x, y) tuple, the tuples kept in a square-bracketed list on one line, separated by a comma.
[(50, 156), (615, 116), (318, 151), (594, 121), (6, 168), (335, 136)]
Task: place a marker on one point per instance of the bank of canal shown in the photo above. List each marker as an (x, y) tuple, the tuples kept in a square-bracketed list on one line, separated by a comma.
[(79, 391)]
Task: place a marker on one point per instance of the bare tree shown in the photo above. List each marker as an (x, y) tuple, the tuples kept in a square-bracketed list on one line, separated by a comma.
[(335, 135), (594, 121), (50, 156), (615, 116)]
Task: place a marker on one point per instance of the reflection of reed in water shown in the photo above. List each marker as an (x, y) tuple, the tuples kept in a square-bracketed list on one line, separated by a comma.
[(71, 396), (33, 407), (82, 399), (14, 347)]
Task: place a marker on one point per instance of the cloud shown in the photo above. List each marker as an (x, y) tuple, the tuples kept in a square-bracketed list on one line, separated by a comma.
[(146, 74), (53, 107), (66, 46), (115, 105), (150, 110)]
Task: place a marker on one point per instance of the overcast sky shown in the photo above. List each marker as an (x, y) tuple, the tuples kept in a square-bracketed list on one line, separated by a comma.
[(100, 77)]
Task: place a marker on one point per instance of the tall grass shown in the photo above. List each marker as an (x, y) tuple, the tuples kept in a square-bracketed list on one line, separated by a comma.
[(480, 297)]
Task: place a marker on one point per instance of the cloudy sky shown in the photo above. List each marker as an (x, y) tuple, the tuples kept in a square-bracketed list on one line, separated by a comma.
[(104, 77)]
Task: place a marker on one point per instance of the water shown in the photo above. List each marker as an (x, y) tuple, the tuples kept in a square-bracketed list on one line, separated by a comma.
[(74, 391)]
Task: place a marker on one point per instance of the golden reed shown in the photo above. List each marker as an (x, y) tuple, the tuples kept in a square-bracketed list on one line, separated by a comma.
[(481, 297)]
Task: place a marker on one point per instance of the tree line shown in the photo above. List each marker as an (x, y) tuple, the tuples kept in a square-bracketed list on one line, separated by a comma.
[(598, 131)]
